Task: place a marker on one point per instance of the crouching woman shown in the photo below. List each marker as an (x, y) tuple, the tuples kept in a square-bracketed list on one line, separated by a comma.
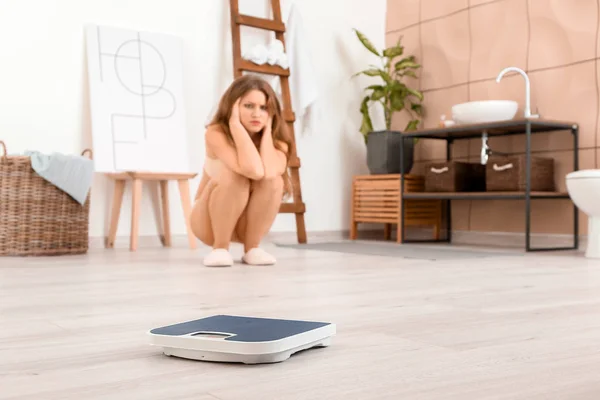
[(245, 175)]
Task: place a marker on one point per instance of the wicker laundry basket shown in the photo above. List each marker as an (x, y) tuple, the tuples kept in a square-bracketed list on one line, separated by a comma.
[(36, 217)]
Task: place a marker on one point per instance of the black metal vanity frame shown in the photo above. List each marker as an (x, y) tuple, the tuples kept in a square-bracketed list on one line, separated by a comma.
[(503, 128)]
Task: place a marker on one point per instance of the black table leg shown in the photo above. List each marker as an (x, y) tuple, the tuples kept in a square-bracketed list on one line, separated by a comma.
[(528, 186), (402, 203), (449, 143), (575, 133)]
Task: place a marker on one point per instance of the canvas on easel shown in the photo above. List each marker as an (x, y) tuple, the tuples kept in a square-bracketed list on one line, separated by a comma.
[(138, 119), (136, 98)]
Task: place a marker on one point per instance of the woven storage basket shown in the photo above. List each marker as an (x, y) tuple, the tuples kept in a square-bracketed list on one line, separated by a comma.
[(36, 217), (454, 176), (507, 173)]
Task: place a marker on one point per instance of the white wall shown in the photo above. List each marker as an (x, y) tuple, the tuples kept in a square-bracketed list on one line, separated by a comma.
[(44, 104)]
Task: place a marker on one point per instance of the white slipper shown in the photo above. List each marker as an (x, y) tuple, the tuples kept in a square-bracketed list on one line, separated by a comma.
[(257, 256), (218, 258)]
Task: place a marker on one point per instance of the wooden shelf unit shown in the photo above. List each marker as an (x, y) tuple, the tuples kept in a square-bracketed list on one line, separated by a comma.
[(376, 199), (525, 127)]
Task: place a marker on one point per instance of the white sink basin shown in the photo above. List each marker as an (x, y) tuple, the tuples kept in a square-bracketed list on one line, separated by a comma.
[(484, 111)]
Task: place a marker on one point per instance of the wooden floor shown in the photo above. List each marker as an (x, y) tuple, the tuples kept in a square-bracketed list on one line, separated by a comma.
[(518, 328)]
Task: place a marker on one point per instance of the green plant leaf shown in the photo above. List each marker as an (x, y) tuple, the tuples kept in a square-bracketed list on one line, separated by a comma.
[(412, 125), (418, 108), (366, 42), (366, 125), (408, 62), (397, 85), (397, 99), (407, 65), (409, 72), (407, 59), (368, 72), (378, 72), (386, 76), (364, 105), (415, 93), (375, 87), (372, 72), (378, 93), (393, 52)]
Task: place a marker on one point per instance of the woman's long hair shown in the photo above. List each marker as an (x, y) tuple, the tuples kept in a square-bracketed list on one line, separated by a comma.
[(279, 130)]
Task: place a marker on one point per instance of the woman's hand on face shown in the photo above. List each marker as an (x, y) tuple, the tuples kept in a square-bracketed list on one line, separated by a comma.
[(235, 113), (269, 126), (267, 137)]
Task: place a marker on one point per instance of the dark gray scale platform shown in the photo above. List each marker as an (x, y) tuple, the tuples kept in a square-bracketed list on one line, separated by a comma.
[(227, 338)]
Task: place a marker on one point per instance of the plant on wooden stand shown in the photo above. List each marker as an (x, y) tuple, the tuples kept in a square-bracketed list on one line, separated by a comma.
[(383, 147)]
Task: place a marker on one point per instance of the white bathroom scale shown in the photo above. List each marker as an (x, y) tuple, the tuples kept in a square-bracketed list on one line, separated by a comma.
[(248, 340)]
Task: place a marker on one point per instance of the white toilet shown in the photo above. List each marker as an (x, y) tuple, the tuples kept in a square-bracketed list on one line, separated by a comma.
[(584, 189)]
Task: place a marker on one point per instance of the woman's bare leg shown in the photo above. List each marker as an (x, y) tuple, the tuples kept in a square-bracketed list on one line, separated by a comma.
[(263, 206), (216, 214), (200, 217), (227, 202)]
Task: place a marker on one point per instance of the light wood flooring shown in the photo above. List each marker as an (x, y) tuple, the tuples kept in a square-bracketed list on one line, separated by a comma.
[(521, 327)]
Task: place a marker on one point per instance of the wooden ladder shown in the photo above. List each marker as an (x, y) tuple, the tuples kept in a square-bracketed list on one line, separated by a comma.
[(240, 65)]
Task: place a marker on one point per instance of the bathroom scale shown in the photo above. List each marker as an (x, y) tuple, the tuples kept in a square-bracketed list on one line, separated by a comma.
[(238, 339)]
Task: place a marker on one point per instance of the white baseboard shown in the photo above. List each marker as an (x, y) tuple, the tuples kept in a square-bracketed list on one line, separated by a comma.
[(488, 239), (471, 238), (144, 241), (513, 239)]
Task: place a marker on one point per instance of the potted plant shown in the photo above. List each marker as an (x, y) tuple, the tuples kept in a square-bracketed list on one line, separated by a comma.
[(383, 147)]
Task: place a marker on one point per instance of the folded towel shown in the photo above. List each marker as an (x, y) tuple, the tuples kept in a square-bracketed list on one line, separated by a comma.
[(72, 174), (273, 54), (276, 47), (257, 54)]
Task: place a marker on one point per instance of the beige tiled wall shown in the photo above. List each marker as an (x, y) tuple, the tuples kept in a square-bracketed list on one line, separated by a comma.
[(464, 44)]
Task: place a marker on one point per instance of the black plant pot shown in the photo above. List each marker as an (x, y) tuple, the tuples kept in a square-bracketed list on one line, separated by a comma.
[(383, 152)]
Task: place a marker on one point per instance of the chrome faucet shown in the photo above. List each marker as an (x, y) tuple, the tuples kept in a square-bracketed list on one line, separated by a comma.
[(485, 149), (527, 112)]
